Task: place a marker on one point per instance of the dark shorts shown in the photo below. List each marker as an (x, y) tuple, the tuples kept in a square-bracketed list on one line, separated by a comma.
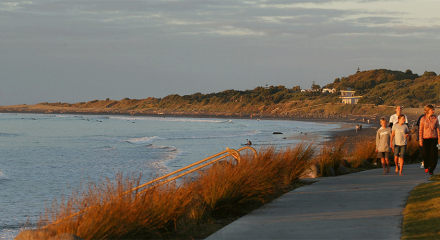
[(399, 151), (383, 155)]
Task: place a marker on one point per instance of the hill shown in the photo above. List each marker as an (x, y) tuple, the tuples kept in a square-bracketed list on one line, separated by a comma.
[(392, 87), (379, 88)]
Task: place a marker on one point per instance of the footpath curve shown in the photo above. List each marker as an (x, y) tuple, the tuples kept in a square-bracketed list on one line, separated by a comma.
[(363, 205)]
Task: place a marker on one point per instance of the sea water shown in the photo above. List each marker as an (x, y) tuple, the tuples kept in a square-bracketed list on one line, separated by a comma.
[(43, 156)]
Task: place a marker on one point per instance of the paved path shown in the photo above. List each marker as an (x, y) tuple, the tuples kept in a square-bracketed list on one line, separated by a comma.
[(364, 205)]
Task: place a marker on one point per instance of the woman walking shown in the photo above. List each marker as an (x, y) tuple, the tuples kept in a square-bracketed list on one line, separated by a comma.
[(428, 138)]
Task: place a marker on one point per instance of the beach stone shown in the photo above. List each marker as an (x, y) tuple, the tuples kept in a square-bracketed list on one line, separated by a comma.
[(331, 172), (34, 235), (342, 170), (370, 160), (366, 163), (345, 164), (336, 167), (65, 236), (312, 172)]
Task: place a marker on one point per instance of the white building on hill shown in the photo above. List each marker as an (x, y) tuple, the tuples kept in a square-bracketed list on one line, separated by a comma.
[(348, 97), (329, 90)]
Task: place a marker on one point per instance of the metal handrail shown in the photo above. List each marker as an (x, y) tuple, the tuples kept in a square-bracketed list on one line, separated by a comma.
[(229, 152)]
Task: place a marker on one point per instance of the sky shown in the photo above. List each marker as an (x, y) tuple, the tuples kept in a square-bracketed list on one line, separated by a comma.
[(82, 50)]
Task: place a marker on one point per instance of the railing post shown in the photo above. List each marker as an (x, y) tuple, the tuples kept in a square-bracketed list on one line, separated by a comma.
[(235, 154), (166, 178)]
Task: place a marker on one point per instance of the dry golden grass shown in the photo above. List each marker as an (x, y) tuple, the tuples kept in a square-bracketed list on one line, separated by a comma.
[(107, 214), (190, 208), (331, 155), (363, 149), (413, 151), (113, 215)]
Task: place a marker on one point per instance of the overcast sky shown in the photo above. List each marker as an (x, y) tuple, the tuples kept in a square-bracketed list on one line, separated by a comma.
[(73, 51)]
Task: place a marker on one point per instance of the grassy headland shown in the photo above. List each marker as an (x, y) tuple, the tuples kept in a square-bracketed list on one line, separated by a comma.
[(379, 88)]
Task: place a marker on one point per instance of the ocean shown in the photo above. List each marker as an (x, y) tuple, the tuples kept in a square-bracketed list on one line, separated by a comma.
[(44, 156)]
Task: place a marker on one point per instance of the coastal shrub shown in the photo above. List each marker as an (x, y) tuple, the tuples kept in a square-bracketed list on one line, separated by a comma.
[(364, 149), (331, 154), (229, 184), (224, 185), (107, 213), (294, 160), (412, 151)]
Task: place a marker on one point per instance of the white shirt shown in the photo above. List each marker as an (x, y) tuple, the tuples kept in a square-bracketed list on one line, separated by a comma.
[(394, 119)]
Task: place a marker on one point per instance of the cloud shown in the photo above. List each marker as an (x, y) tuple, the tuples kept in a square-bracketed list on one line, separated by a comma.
[(227, 17), (214, 45)]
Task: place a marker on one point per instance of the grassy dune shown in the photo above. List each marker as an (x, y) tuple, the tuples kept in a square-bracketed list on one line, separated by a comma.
[(179, 209), (200, 204)]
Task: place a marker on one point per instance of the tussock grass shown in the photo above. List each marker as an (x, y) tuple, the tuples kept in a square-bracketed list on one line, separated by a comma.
[(113, 215), (363, 149), (178, 209), (413, 152), (422, 212), (331, 155)]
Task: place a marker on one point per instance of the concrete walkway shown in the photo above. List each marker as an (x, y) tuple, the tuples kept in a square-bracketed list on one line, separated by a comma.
[(364, 205)]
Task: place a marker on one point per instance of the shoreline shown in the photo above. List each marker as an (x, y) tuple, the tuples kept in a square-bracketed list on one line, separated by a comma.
[(353, 119), (326, 136), (358, 113), (352, 134), (347, 132), (369, 129)]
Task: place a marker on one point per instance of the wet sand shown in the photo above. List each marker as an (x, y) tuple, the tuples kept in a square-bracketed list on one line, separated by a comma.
[(347, 130), (367, 131)]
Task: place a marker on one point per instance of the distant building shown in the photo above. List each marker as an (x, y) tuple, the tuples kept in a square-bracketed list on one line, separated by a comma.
[(310, 90), (348, 97), (328, 90)]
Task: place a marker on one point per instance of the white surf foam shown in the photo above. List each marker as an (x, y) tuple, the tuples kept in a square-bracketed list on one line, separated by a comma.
[(3, 176), (171, 119), (144, 140), (244, 134)]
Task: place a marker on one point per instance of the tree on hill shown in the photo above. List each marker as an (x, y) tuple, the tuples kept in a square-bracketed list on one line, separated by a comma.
[(315, 86), (429, 74), (379, 86)]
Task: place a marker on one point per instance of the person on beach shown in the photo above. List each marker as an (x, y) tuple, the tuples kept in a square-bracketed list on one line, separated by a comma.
[(429, 138), (393, 118), (399, 134), (383, 136)]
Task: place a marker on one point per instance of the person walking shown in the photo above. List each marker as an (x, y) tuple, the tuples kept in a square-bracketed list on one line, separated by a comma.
[(394, 117), (399, 134), (417, 136), (429, 138), (383, 136)]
